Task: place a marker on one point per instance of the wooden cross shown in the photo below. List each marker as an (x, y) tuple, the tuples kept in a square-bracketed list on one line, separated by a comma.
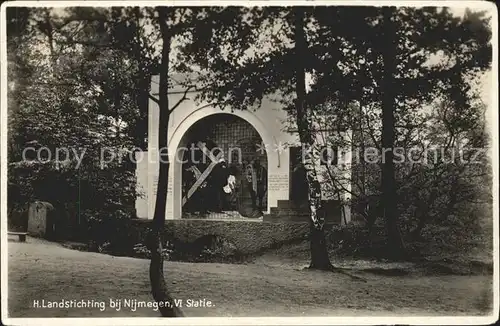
[(204, 175)]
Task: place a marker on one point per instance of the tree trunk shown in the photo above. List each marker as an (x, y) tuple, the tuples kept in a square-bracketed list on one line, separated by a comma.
[(157, 279), (319, 252), (396, 247), (424, 213)]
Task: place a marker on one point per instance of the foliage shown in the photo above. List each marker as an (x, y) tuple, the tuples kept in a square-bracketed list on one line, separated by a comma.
[(142, 250), (434, 60), (79, 78), (74, 89)]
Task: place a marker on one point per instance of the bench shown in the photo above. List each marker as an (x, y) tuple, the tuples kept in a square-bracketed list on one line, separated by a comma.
[(21, 235)]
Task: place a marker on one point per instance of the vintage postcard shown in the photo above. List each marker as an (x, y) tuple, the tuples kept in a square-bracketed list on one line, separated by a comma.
[(249, 162)]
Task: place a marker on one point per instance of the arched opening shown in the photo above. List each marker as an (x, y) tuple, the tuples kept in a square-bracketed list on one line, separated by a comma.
[(224, 169)]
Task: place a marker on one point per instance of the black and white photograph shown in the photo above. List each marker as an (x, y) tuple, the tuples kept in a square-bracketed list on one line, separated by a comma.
[(269, 162)]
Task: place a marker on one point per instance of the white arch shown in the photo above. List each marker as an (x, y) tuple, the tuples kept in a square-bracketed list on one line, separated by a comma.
[(205, 111), (174, 203)]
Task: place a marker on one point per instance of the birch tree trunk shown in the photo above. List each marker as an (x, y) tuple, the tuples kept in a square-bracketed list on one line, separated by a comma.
[(319, 253)]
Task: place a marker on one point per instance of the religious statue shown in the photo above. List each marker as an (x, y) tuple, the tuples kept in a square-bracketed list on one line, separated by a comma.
[(256, 176)]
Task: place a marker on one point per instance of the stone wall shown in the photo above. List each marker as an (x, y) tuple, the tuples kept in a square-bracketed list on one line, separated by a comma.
[(247, 237)]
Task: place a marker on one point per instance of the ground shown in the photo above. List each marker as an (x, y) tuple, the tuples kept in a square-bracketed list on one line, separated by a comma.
[(43, 270)]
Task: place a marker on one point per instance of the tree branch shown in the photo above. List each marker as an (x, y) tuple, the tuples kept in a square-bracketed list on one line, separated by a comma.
[(154, 99), (370, 133), (87, 43), (184, 97)]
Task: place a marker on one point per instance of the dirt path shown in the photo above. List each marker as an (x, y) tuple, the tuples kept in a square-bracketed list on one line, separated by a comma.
[(43, 270)]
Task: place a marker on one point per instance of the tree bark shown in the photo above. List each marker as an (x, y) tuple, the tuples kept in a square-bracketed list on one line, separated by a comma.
[(157, 279), (319, 252), (396, 247)]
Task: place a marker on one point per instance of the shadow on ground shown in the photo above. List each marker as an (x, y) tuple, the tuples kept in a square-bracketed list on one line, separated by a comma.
[(41, 270)]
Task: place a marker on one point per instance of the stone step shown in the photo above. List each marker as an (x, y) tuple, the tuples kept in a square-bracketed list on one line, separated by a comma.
[(330, 219), (282, 203), (295, 209), (285, 218), (288, 211)]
